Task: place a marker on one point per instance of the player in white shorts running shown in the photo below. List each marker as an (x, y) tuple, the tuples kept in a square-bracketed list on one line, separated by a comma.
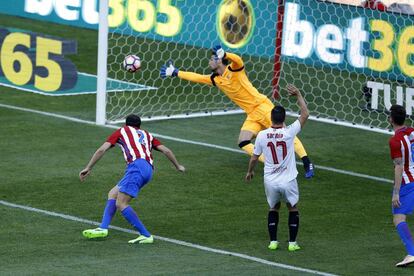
[(277, 145)]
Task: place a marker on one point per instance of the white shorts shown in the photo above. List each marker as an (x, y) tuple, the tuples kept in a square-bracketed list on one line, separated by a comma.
[(288, 192)]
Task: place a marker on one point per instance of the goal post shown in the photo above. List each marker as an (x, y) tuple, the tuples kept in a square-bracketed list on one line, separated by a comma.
[(351, 62), (102, 63)]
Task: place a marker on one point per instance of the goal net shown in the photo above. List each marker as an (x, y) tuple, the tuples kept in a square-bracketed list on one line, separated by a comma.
[(352, 62)]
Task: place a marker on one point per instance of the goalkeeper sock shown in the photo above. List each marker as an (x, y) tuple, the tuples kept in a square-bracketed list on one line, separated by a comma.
[(108, 214), (293, 225), (306, 162), (248, 147), (130, 215), (299, 148), (272, 222), (406, 238)]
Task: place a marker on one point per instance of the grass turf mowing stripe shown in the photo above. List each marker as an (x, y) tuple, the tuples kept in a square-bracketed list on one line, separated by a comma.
[(174, 241), (361, 175)]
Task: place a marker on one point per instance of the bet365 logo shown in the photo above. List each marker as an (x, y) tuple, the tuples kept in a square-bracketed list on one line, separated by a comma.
[(33, 59), (382, 48), (235, 22)]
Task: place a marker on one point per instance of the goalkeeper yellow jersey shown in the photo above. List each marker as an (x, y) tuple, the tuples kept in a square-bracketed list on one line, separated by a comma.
[(234, 83)]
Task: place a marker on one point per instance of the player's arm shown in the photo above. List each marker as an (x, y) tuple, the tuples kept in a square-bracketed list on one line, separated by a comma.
[(304, 112), (236, 61), (194, 77), (398, 171), (255, 157), (169, 70), (252, 164), (396, 156), (170, 155), (95, 158)]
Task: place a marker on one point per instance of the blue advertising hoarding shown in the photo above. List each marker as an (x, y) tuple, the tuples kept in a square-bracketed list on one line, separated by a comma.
[(316, 33)]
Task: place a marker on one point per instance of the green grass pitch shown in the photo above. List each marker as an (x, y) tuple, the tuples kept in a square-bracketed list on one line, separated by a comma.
[(346, 225)]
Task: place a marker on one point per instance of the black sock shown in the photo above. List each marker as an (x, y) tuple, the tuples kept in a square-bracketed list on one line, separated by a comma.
[(293, 225), (306, 162), (272, 222)]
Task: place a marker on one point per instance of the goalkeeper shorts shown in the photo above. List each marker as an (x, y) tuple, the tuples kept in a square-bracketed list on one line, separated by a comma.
[(259, 119)]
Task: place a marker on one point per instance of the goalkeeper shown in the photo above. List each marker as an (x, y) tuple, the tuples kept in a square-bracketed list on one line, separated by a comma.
[(230, 77)]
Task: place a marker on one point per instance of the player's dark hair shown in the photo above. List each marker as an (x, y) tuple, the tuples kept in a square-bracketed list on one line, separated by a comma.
[(398, 114), (278, 115), (133, 120)]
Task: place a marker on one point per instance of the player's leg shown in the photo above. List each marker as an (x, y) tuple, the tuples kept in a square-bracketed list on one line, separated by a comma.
[(301, 152), (122, 203), (293, 222), (272, 224), (292, 199), (406, 238), (256, 121), (249, 131), (110, 208), (399, 218), (109, 212), (138, 174), (273, 199)]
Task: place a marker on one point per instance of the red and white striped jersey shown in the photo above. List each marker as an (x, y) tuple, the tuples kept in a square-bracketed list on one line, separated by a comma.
[(135, 143), (402, 146)]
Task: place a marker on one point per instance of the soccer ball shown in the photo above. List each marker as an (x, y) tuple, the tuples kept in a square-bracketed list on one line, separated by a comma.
[(131, 63)]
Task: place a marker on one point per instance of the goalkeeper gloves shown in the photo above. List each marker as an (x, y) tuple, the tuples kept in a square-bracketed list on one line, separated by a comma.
[(168, 70), (219, 52)]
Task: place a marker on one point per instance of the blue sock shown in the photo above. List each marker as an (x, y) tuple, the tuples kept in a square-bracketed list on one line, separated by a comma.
[(108, 214), (130, 215), (405, 235)]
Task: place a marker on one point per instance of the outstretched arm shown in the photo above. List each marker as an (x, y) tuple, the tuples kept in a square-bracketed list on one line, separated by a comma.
[(169, 70), (304, 112), (95, 158), (236, 61), (194, 77), (170, 155)]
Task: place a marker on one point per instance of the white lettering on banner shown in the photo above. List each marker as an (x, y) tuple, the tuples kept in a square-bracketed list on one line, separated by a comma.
[(329, 37), (294, 29), (90, 12), (41, 7), (409, 102), (357, 36), (63, 11), (328, 42), (376, 87)]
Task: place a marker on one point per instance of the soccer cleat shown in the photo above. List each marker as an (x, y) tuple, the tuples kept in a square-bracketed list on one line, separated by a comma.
[(95, 233), (142, 239), (309, 173), (293, 246), (273, 245), (409, 259)]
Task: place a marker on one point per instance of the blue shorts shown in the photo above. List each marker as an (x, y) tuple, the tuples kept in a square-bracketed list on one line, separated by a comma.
[(137, 174), (406, 199)]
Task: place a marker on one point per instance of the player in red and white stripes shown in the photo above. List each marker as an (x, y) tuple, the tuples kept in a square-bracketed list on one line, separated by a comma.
[(136, 145), (402, 153)]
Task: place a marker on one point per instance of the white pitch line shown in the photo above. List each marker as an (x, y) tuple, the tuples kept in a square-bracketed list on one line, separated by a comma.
[(361, 175), (174, 241)]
